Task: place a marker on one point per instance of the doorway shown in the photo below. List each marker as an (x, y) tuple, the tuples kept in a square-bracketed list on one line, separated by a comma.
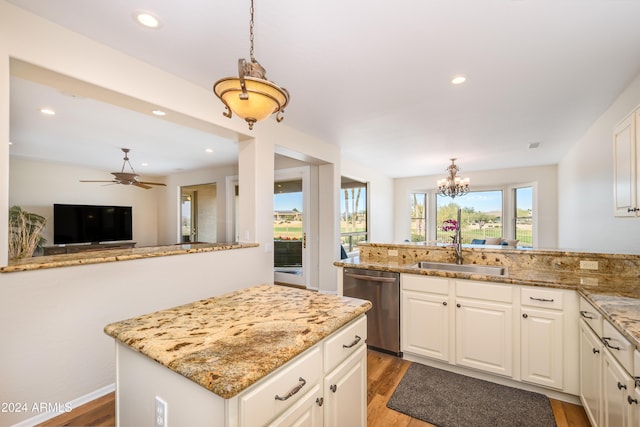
[(198, 217), (290, 226)]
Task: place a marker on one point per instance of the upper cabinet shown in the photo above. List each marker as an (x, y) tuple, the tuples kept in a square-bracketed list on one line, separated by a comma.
[(626, 161)]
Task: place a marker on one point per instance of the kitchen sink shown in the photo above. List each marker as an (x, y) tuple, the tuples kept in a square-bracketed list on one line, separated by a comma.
[(489, 270)]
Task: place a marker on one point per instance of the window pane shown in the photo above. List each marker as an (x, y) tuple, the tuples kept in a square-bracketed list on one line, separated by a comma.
[(481, 215), (353, 214), (524, 216), (418, 217)]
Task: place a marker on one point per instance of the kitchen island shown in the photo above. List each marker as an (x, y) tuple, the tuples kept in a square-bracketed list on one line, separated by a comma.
[(241, 359)]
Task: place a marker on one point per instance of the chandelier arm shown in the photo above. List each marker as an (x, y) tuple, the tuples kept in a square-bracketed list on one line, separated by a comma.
[(241, 73)]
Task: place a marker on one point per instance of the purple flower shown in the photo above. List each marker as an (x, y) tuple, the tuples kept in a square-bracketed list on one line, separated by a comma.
[(450, 225)]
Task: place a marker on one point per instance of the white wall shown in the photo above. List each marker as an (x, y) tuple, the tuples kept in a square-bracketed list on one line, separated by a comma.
[(544, 177), (585, 177)]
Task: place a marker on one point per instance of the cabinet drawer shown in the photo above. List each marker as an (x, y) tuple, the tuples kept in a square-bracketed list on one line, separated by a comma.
[(544, 298), (484, 291), (258, 404), (344, 342), (434, 285), (618, 346), (592, 316)]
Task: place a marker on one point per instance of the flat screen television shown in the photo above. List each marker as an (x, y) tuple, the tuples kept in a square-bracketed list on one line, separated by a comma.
[(91, 224)]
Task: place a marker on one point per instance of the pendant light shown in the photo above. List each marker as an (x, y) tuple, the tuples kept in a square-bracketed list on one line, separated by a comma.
[(250, 95), (453, 186)]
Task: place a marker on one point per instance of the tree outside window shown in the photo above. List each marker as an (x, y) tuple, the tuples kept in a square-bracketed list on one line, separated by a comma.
[(418, 217), (353, 214), (523, 216), (481, 216)]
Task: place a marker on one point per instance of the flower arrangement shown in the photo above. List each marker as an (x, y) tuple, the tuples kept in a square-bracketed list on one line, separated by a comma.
[(449, 225)]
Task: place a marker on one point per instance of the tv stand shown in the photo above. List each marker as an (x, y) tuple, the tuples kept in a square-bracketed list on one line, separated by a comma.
[(74, 249)]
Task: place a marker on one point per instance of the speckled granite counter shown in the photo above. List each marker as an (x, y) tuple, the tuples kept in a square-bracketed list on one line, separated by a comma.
[(113, 255), (614, 289), (229, 342)]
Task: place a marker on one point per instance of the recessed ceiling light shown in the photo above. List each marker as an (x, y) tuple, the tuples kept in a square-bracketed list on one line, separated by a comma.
[(534, 145), (47, 111), (144, 164), (147, 19), (209, 150), (458, 79), (159, 113)]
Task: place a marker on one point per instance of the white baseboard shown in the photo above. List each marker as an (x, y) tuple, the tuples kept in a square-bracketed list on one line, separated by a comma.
[(44, 416)]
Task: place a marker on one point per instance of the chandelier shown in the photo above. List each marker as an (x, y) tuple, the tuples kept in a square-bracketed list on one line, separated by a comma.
[(250, 95), (453, 185)]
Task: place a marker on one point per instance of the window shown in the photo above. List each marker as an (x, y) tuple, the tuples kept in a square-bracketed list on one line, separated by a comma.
[(418, 217), (481, 215), (353, 214), (523, 216)]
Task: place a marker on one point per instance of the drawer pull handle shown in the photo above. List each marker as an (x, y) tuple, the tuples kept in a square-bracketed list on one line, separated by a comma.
[(584, 314), (320, 401), (621, 386), (596, 351), (294, 390), (632, 400), (541, 299), (356, 341), (333, 387), (605, 341)]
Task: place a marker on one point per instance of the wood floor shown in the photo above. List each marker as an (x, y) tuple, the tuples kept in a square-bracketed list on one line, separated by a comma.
[(384, 372)]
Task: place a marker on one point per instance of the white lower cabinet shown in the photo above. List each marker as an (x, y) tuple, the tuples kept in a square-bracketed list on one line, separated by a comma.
[(591, 373), (307, 412), (542, 336), (607, 388), (616, 386), (345, 390), (484, 337), (524, 333), (426, 317)]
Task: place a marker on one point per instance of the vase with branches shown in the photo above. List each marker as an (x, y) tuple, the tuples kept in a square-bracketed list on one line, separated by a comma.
[(25, 232)]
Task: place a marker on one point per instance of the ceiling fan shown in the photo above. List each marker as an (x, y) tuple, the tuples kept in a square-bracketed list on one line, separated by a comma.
[(128, 178)]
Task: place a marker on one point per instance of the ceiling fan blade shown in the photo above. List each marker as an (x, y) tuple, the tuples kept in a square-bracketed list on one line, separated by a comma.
[(152, 183), (88, 180), (141, 185)]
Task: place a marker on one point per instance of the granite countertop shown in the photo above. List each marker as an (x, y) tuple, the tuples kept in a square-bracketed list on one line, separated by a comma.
[(113, 255), (229, 342), (616, 297)]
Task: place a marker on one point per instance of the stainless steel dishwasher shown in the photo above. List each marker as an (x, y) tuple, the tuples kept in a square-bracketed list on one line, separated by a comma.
[(382, 288)]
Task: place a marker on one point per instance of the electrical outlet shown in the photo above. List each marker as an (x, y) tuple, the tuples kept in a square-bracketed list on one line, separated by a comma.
[(589, 265), (161, 412), (392, 252)]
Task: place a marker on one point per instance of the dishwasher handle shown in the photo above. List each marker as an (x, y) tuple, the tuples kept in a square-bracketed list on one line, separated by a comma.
[(370, 278)]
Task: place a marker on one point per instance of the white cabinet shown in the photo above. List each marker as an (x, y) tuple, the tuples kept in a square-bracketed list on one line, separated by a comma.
[(426, 316), (590, 373), (617, 384), (607, 389), (307, 412), (484, 327), (345, 390), (626, 161), (541, 335)]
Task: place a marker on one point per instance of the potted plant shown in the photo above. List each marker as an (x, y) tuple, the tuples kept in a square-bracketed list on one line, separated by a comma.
[(24, 232)]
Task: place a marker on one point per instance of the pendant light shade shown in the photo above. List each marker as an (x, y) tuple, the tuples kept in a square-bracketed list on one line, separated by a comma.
[(250, 95)]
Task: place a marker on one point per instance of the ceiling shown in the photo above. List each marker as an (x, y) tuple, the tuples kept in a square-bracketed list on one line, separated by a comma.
[(374, 77)]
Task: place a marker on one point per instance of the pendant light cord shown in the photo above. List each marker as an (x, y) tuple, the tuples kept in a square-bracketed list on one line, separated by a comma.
[(251, 34)]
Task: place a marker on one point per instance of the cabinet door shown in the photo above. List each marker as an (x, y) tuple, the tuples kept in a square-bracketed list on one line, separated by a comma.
[(542, 347), (624, 168), (484, 336), (345, 392), (617, 384), (590, 373), (307, 412), (425, 324)]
